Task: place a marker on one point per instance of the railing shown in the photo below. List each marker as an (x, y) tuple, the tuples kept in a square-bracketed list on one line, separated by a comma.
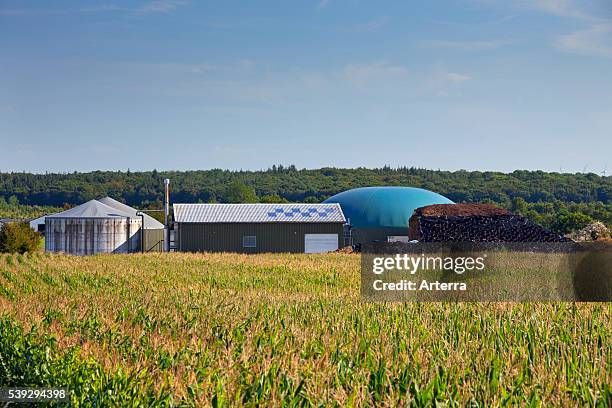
[(156, 247)]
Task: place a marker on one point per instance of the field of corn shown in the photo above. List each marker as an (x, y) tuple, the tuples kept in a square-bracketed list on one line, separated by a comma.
[(227, 329)]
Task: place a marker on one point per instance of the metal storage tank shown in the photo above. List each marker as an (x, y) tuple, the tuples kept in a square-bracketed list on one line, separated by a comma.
[(153, 230), (92, 228), (382, 213)]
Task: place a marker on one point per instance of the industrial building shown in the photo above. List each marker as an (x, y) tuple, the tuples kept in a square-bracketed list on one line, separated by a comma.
[(255, 228), (101, 227), (38, 224), (382, 213)]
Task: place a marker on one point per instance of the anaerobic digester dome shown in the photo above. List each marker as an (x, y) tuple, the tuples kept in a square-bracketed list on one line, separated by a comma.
[(376, 213)]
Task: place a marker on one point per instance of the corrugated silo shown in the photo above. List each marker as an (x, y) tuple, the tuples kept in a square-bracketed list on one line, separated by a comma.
[(92, 228), (153, 230)]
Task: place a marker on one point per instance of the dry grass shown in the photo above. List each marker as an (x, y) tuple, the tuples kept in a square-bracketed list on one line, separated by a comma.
[(228, 329)]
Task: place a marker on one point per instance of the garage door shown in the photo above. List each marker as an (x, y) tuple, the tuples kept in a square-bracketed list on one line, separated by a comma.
[(315, 243)]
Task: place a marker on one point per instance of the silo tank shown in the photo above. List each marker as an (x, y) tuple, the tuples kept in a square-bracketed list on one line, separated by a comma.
[(92, 228), (87, 236)]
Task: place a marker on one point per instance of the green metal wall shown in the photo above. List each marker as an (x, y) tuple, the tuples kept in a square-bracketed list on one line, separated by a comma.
[(271, 237), (153, 240)]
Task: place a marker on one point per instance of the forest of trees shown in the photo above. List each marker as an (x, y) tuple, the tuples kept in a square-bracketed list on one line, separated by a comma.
[(552, 199)]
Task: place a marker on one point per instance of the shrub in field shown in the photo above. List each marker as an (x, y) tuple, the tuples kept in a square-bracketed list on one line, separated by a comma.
[(18, 237)]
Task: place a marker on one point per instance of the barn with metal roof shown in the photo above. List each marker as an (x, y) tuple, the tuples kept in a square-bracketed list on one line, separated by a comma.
[(254, 228)]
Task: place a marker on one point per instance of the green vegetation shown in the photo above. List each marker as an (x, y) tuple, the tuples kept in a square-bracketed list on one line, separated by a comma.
[(230, 329), (238, 192), (11, 208), (18, 237), (557, 201)]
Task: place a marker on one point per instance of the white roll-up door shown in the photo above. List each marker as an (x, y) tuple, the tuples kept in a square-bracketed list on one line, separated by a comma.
[(317, 243)]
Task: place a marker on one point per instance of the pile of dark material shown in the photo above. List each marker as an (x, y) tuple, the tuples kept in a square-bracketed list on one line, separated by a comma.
[(475, 223)]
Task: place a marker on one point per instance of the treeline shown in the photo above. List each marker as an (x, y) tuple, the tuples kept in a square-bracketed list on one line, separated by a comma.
[(12, 209), (543, 194)]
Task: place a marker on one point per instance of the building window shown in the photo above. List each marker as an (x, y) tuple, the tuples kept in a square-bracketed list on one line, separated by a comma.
[(249, 241)]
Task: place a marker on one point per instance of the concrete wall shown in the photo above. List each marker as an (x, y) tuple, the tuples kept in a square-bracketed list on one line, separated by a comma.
[(271, 237)]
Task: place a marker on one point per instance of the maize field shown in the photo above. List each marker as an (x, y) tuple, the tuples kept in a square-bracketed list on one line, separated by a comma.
[(283, 330)]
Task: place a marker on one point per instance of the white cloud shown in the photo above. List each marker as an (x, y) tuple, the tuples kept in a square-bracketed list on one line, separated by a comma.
[(368, 26), (102, 7), (365, 73), (595, 41), (322, 4), (47, 12), (203, 68), (442, 82), (594, 11), (373, 25), (7, 108), (483, 45), (156, 6), (455, 77), (240, 66), (562, 8), (161, 6)]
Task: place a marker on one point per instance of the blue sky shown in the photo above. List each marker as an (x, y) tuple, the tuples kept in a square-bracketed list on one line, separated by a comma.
[(173, 84)]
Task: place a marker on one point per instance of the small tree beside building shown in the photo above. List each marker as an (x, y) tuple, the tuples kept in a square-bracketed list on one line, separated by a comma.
[(18, 237)]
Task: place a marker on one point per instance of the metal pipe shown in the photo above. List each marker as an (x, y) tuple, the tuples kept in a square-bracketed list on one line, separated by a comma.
[(167, 215), (141, 214), (129, 230)]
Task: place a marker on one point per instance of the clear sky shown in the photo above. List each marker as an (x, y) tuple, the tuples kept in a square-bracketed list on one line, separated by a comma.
[(179, 84)]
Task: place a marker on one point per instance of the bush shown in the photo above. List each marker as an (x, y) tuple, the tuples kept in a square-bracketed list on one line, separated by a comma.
[(570, 222), (18, 237)]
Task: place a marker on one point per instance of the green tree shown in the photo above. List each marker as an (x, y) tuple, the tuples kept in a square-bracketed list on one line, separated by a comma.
[(273, 199), (18, 237), (519, 206), (570, 222), (238, 192)]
